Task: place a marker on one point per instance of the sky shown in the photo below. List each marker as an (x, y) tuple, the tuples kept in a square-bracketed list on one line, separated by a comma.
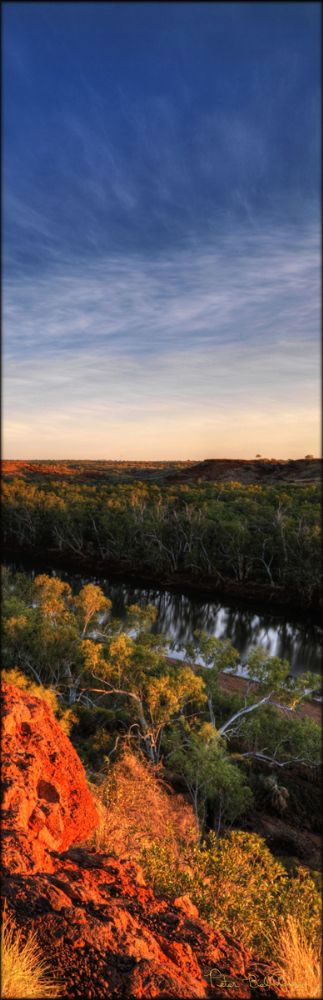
[(161, 230)]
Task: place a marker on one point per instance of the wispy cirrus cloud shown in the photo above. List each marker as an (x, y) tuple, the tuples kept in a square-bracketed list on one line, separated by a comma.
[(202, 331), (237, 287), (149, 173)]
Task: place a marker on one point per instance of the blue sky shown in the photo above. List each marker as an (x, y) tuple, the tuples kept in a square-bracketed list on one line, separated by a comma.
[(161, 195)]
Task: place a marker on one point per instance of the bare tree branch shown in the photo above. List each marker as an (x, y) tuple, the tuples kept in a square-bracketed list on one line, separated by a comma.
[(244, 711), (259, 755)]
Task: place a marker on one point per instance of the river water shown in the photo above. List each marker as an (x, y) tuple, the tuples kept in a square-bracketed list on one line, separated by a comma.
[(179, 614)]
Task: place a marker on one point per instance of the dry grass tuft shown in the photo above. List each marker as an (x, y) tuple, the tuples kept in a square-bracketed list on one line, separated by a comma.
[(299, 970), (24, 972), (135, 808)]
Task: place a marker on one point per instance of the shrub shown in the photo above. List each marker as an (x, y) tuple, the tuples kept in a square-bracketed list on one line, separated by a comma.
[(301, 738), (24, 972), (238, 887)]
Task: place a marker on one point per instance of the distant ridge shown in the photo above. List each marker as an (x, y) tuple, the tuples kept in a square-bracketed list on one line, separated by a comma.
[(266, 471)]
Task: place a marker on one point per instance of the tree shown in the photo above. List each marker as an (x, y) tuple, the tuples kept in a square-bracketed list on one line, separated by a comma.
[(90, 603), (157, 697), (46, 635), (264, 736), (51, 594), (210, 529), (269, 681), (42, 632), (167, 697), (216, 654), (199, 757)]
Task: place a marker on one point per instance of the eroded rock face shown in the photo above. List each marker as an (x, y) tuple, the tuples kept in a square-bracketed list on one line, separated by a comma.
[(46, 803), (108, 936), (99, 924)]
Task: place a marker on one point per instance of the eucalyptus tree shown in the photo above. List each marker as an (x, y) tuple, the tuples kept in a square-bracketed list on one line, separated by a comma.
[(269, 682)]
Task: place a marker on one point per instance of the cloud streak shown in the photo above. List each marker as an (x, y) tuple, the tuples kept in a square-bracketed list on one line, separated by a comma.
[(205, 332), (136, 172)]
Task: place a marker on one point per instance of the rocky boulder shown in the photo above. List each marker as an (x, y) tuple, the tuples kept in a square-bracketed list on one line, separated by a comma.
[(46, 803)]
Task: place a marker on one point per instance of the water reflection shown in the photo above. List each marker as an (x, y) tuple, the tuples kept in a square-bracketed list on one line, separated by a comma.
[(178, 615)]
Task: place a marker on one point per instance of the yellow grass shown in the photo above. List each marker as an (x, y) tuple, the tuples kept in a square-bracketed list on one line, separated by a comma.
[(299, 969), (135, 807), (24, 972)]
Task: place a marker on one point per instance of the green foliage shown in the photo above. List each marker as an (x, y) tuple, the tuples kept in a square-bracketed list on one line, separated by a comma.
[(217, 654), (249, 534), (69, 643), (95, 733), (199, 758), (273, 674), (289, 739), (42, 646), (14, 607), (101, 683), (167, 695), (239, 888), (48, 639), (136, 668), (18, 584), (91, 718), (268, 671)]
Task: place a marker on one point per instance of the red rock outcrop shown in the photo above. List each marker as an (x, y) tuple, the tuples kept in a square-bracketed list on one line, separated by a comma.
[(108, 935), (102, 928), (46, 803)]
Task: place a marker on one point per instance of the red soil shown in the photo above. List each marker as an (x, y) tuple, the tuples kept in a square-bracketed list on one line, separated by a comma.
[(22, 468)]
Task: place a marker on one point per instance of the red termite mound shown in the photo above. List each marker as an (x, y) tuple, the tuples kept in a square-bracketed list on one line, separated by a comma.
[(97, 922)]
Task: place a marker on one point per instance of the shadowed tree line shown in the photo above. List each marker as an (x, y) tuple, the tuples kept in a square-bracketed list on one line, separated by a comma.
[(246, 535)]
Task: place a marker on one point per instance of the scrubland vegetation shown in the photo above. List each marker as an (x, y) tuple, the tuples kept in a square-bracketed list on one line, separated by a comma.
[(176, 765), (235, 535), (180, 769), (234, 881)]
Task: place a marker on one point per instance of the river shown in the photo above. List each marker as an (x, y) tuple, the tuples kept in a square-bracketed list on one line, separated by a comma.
[(179, 614)]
